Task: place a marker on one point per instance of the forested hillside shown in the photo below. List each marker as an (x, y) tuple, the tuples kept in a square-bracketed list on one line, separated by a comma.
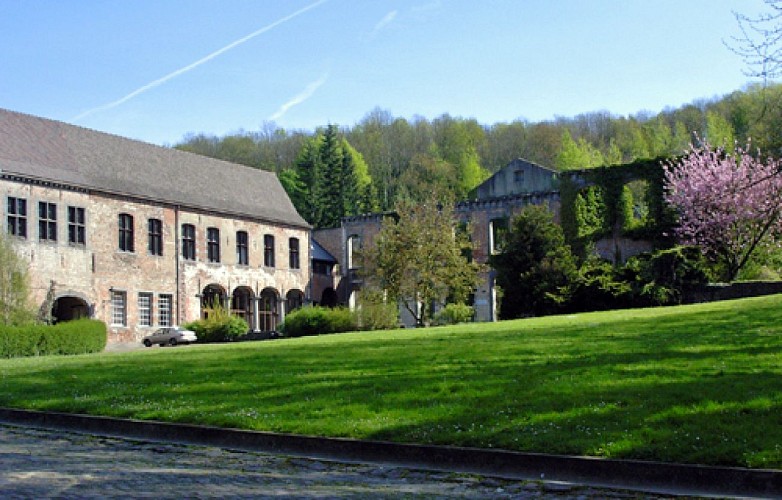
[(382, 159)]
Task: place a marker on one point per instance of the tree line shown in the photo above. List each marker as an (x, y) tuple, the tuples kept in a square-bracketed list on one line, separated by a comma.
[(383, 160)]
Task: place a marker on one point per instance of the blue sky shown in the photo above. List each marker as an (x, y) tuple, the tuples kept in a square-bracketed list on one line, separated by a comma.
[(158, 70)]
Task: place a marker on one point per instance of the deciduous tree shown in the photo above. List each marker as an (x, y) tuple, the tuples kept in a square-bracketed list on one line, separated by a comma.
[(728, 203), (420, 258), (14, 285)]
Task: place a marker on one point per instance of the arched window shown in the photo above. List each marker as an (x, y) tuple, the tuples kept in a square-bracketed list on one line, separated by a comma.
[(294, 299)]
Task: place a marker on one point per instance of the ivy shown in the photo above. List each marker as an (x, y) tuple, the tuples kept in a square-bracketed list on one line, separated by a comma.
[(598, 202)]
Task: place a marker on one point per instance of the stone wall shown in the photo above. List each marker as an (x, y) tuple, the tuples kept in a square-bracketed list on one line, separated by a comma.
[(93, 270), (713, 292)]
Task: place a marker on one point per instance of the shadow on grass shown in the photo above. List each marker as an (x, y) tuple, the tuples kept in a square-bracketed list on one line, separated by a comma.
[(705, 388)]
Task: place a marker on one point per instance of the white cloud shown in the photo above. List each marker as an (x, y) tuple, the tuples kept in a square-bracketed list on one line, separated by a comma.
[(207, 58), (387, 19), (300, 97)]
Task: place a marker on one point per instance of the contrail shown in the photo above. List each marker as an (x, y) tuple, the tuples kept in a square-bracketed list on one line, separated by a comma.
[(180, 71), (300, 98), (388, 19)]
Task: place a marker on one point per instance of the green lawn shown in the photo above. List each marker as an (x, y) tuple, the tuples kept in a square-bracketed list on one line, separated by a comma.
[(698, 384)]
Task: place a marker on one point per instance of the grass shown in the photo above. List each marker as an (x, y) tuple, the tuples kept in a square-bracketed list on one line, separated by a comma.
[(695, 384)]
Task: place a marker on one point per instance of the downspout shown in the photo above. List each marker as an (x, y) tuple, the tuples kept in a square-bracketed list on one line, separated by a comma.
[(176, 260)]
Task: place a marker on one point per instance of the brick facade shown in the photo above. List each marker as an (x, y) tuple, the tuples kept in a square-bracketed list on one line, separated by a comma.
[(92, 250)]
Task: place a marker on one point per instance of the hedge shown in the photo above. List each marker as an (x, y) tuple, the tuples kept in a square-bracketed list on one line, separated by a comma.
[(317, 320), (70, 337)]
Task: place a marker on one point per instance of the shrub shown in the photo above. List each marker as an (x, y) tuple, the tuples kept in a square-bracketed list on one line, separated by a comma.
[(69, 337), (218, 330), (374, 313), (316, 320), (453, 314), (219, 326), (662, 277), (600, 286)]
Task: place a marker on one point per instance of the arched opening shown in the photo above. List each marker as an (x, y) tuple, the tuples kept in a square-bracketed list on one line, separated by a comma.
[(242, 305), (268, 310), (294, 299), (68, 308), (329, 298), (212, 296)]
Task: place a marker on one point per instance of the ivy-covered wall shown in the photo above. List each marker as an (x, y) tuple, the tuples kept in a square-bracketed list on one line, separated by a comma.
[(610, 197)]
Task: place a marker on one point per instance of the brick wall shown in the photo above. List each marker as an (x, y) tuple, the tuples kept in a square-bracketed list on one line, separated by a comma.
[(91, 271)]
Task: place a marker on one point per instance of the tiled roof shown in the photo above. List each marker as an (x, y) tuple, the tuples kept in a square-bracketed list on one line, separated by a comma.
[(67, 154)]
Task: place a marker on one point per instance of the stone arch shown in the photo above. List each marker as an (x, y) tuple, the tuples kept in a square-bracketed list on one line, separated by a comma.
[(212, 294), (269, 310), (329, 298), (242, 304), (69, 306), (294, 299)]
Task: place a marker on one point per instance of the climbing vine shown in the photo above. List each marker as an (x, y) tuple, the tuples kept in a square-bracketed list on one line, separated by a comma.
[(600, 201)]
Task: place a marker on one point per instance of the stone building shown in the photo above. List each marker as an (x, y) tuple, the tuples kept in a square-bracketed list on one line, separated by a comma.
[(142, 236), (498, 199)]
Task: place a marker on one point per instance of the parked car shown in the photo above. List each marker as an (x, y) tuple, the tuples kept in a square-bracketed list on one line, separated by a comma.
[(171, 335)]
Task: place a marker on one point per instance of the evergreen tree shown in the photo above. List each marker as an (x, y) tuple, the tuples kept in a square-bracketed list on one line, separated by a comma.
[(536, 268)]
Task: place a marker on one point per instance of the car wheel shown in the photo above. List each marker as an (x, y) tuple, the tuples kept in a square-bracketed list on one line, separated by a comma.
[(147, 343), (172, 342)]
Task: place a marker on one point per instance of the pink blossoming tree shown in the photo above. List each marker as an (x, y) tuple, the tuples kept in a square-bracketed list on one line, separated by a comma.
[(728, 203)]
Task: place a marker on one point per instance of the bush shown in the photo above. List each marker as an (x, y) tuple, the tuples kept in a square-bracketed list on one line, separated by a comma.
[(69, 337), (662, 278), (453, 314), (316, 320), (224, 329), (374, 313), (219, 326)]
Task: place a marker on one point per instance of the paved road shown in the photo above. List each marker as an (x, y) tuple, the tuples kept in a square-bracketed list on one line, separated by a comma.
[(37, 463)]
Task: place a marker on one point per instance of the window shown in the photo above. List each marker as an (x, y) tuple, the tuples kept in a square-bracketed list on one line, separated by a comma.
[(47, 221), (126, 232), (294, 299), (498, 231), (164, 302), (188, 242), (17, 217), (268, 250), (354, 245), (145, 309), (76, 228), (518, 176), (155, 245), (119, 310), (321, 267), (213, 244), (242, 255), (293, 244)]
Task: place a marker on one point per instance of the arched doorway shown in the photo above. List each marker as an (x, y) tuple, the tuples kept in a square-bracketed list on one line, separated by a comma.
[(294, 299), (242, 304), (329, 298), (69, 307), (268, 310), (212, 296)]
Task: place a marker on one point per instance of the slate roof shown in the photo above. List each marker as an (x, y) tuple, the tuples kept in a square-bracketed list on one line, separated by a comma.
[(320, 253), (48, 150)]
